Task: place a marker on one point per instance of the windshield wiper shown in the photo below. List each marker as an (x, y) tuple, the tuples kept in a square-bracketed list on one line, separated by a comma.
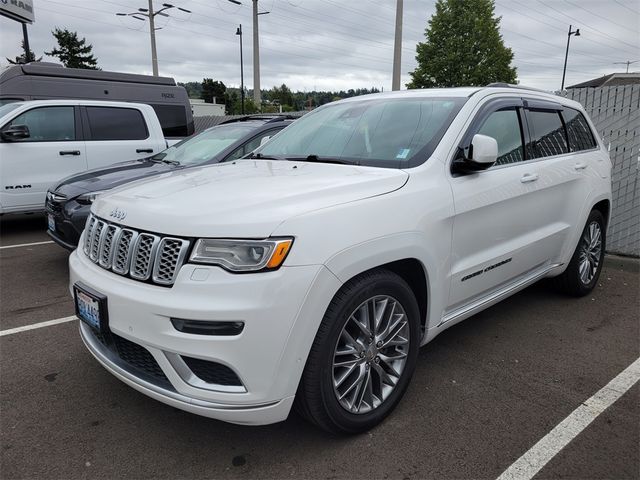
[(260, 156), (160, 159), (318, 159)]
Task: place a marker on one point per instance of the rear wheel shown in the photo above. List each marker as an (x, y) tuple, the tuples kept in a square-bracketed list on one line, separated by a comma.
[(585, 266), (363, 356)]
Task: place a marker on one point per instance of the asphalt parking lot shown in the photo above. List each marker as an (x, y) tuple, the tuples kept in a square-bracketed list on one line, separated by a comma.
[(483, 394)]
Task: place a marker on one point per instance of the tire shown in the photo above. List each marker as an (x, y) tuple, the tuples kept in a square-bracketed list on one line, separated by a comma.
[(341, 338), (589, 255)]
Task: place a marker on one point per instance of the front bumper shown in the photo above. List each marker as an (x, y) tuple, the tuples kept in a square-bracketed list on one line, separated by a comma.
[(281, 311), (70, 218)]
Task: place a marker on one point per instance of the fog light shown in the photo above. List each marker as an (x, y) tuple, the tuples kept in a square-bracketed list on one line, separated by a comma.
[(204, 327)]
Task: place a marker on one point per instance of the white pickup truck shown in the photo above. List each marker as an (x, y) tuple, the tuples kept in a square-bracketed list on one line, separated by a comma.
[(43, 141)]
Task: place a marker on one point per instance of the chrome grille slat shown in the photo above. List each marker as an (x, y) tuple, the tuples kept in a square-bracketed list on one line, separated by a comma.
[(139, 255), (171, 252)]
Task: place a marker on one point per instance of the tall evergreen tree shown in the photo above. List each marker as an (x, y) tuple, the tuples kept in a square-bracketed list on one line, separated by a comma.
[(72, 51), (213, 89), (463, 47), (26, 57)]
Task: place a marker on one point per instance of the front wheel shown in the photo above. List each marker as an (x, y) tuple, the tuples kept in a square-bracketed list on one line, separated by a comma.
[(363, 356), (585, 266)]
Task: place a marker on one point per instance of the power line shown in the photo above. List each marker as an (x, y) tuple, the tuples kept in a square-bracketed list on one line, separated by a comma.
[(602, 17)]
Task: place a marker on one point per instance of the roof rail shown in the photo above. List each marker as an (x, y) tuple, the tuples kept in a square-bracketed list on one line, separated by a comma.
[(261, 116), (510, 85)]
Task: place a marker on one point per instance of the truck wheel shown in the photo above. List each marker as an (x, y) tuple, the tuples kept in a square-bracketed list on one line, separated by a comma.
[(586, 264), (363, 356)]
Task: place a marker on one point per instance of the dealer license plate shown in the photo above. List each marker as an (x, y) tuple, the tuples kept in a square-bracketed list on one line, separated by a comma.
[(90, 308)]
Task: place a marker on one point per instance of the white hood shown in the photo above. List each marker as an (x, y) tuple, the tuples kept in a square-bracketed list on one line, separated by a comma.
[(247, 198)]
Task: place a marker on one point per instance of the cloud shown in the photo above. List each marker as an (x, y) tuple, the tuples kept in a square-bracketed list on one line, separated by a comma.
[(331, 44)]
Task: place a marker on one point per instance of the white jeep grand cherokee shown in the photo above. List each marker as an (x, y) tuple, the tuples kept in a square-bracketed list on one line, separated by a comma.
[(310, 273)]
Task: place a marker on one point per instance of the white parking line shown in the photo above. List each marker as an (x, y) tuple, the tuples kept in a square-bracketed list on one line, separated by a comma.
[(33, 326), (25, 244), (542, 452)]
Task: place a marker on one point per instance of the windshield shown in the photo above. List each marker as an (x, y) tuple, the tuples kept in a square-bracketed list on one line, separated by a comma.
[(205, 145), (6, 108), (381, 132)]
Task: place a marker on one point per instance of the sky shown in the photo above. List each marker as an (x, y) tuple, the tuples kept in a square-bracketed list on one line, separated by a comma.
[(330, 44)]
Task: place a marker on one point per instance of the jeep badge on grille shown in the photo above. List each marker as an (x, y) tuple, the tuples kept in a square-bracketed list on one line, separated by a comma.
[(118, 214)]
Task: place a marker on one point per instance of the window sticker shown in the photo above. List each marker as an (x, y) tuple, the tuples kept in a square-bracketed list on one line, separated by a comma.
[(403, 153)]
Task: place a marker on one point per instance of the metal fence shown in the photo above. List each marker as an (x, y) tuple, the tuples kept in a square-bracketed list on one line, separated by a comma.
[(615, 111)]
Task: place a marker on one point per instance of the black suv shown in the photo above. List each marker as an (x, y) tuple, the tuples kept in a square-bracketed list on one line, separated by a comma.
[(69, 203)]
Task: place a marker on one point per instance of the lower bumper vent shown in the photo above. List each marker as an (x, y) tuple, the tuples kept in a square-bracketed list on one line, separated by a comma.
[(212, 372)]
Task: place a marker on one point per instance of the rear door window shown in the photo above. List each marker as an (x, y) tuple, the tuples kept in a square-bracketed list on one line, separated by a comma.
[(112, 123), (547, 133), (578, 132), (48, 124)]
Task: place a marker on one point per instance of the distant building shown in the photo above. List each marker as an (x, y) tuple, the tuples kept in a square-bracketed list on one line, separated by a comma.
[(202, 109), (611, 80)]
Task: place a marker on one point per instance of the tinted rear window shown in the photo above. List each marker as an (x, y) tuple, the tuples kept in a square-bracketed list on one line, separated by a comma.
[(578, 131), (173, 119), (547, 133), (111, 123)]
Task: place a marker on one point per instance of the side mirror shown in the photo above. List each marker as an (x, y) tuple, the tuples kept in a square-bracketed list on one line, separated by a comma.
[(15, 132), (482, 153), (265, 140)]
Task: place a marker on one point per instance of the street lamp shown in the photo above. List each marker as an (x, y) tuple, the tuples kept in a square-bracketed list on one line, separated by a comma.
[(566, 54), (239, 32), (256, 52), (151, 15)]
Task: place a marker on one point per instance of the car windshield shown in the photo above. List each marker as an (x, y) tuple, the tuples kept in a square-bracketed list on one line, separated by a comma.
[(205, 145), (381, 132), (6, 108)]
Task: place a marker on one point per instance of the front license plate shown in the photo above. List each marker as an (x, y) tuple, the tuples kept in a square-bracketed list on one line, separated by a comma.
[(52, 223), (91, 306)]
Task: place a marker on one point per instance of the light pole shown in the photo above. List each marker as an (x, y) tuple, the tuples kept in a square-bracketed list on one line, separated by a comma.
[(151, 15), (239, 32), (397, 48), (256, 53), (566, 54)]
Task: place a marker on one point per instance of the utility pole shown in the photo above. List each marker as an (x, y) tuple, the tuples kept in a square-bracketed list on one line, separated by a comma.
[(627, 63), (397, 48), (256, 58), (152, 31), (566, 53), (151, 15)]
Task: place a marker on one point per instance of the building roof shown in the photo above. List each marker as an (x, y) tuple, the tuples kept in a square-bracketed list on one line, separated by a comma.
[(611, 80)]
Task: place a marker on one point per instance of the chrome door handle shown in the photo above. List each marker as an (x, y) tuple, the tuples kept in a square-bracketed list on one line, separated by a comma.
[(529, 177), (69, 152), (580, 166)]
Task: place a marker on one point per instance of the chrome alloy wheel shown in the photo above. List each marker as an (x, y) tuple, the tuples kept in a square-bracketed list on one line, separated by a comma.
[(590, 252), (370, 354)]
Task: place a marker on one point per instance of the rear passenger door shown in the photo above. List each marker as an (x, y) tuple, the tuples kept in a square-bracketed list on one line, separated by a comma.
[(116, 134), (53, 150)]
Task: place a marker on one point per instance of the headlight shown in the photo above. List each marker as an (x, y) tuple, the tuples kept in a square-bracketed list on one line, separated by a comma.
[(88, 198), (242, 255)]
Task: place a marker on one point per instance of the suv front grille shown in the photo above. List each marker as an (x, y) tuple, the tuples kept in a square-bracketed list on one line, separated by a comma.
[(139, 255)]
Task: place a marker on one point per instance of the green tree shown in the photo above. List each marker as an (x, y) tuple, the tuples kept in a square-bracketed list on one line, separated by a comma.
[(26, 57), (463, 47), (72, 51), (213, 89)]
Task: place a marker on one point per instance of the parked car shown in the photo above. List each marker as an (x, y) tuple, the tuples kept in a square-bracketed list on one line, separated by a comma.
[(309, 274), (69, 202), (42, 141), (52, 81)]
